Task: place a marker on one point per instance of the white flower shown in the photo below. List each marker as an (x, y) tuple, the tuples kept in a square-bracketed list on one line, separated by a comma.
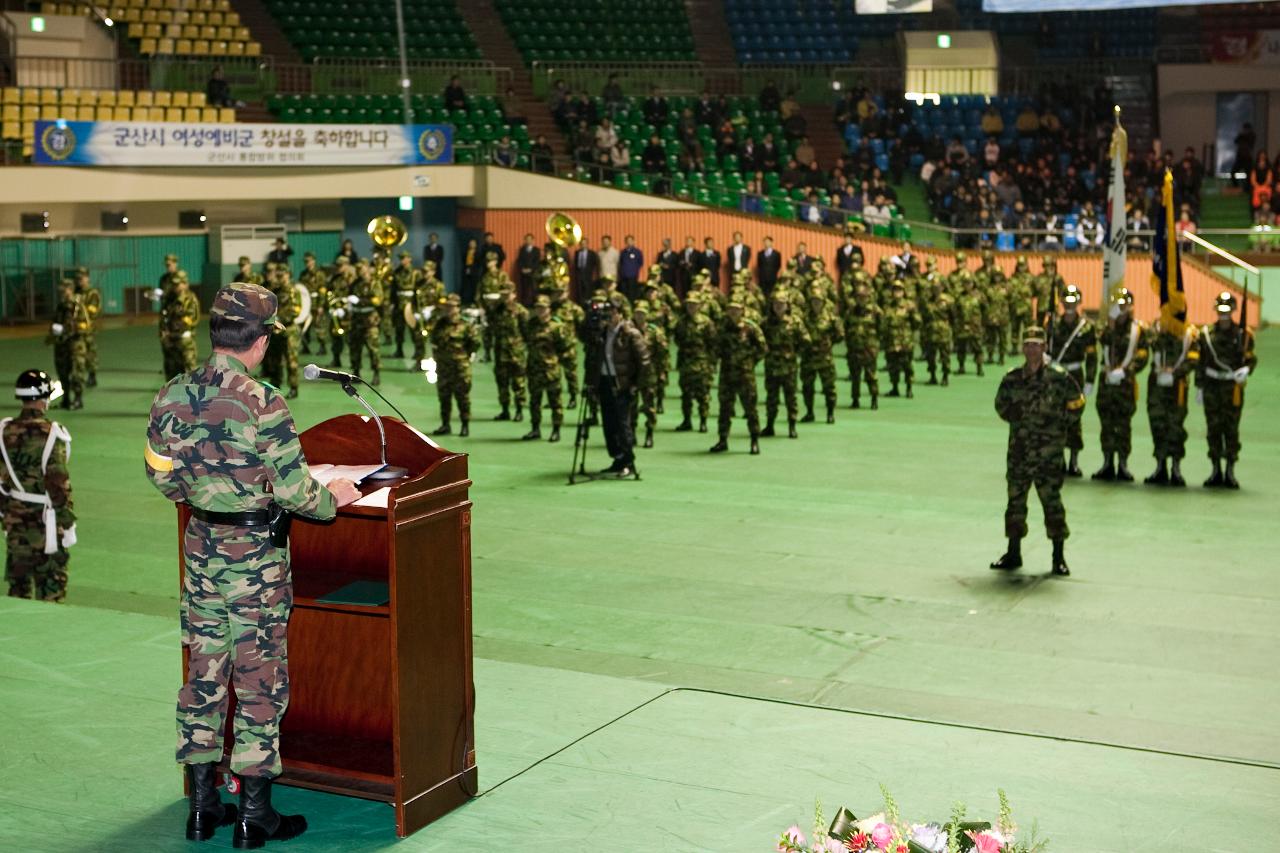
[(929, 836)]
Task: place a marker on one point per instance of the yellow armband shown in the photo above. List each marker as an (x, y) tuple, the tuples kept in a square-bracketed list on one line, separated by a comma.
[(155, 461)]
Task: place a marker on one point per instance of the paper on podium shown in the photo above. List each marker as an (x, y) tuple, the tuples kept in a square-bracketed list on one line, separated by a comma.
[(326, 473), (378, 498)]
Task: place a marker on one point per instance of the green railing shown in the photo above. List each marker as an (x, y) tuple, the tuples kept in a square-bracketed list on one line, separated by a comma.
[(811, 83)]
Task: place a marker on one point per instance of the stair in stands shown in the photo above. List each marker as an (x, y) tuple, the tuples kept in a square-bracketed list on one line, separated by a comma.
[(710, 31), (255, 113), (482, 18), (265, 30), (826, 140)]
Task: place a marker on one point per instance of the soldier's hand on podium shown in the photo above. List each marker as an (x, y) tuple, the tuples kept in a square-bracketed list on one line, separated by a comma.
[(344, 491)]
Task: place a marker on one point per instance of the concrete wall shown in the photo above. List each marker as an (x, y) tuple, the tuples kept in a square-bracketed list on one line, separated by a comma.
[(1188, 101), (73, 51)]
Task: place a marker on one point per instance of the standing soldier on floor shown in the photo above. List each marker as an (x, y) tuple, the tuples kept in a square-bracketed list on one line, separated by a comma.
[(492, 283), (35, 493), (1021, 292), (958, 281), (426, 301), (91, 298), (280, 361), (787, 335), (1226, 360), (1074, 347), (936, 337), (365, 301), (404, 284), (1124, 354), (551, 344), (1046, 284), (507, 321), (1173, 358), (453, 342), (740, 345), (713, 301), (1036, 400), (573, 317), (853, 276), (696, 360), (66, 333), (338, 310), (995, 290), (648, 394), (817, 357), (862, 343), (882, 284), (246, 275), (316, 281), (899, 322), (383, 276), (664, 315), (163, 294), (178, 323), (970, 309), (818, 278)]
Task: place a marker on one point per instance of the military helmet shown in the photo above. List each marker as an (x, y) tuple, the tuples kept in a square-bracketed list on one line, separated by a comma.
[(640, 305), (453, 299), (1050, 262), (931, 263), (341, 261), (655, 269), (429, 265), (36, 385), (816, 293), (542, 301), (961, 257), (66, 284), (1225, 303), (1122, 296), (988, 255), (1071, 295)]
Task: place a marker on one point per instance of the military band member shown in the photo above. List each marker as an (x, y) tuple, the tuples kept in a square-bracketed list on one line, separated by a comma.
[(1173, 359), (1021, 294), (177, 323), (1074, 347), (426, 301), (365, 301), (66, 333), (91, 298), (338, 311), (404, 285), (1226, 360), (246, 274), (572, 315), (316, 281), (453, 342), (1123, 346), (280, 362)]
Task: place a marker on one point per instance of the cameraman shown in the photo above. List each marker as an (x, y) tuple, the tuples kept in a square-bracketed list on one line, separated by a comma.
[(624, 361)]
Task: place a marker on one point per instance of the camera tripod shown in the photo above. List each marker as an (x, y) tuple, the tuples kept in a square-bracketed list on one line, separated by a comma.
[(588, 415)]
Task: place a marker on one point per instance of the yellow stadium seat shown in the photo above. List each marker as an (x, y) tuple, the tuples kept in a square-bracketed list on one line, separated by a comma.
[(31, 96), (222, 5), (180, 99), (11, 112), (227, 115), (190, 31), (226, 33), (144, 98), (88, 97), (11, 95), (182, 47), (197, 99), (173, 114), (208, 33), (200, 47), (241, 34), (104, 114), (30, 112), (122, 114), (84, 113), (236, 48), (107, 98), (217, 48), (132, 16), (162, 99), (204, 5), (152, 31), (209, 115), (164, 46), (214, 19), (172, 31), (253, 48), (164, 16), (199, 19), (64, 9), (51, 112), (136, 30), (182, 16), (48, 8), (149, 16), (231, 19), (11, 130), (156, 4), (191, 114), (28, 131), (136, 4), (124, 98), (48, 96), (69, 97)]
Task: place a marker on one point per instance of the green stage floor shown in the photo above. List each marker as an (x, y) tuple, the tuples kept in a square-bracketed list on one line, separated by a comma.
[(846, 569)]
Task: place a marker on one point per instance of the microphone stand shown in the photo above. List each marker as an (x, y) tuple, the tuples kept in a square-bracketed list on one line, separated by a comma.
[(387, 472)]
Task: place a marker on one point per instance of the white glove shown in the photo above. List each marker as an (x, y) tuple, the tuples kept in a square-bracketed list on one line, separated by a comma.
[(339, 313), (186, 336), (157, 294), (1115, 377), (1088, 389), (1241, 375), (1165, 379), (69, 536), (1199, 396), (353, 299), (57, 328)]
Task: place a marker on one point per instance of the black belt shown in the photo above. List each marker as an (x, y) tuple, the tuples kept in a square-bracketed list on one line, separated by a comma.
[(248, 518)]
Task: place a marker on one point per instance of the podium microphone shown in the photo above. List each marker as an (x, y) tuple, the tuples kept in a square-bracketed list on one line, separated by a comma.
[(348, 380)]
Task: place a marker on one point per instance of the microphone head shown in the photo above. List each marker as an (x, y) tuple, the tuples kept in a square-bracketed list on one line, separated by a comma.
[(311, 371)]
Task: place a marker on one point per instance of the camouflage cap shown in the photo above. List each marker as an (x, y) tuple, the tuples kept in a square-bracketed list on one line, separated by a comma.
[(453, 299), (1033, 335), (1022, 260), (171, 258), (655, 269), (308, 256), (694, 298), (737, 301), (897, 285), (988, 255), (81, 271), (961, 257), (542, 301), (66, 284), (180, 275), (640, 305), (245, 303), (244, 259), (1051, 261), (406, 254), (608, 277), (341, 261), (781, 295), (816, 293)]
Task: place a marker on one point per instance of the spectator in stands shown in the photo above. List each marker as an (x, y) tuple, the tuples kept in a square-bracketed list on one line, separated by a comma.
[(726, 139), (348, 251), (992, 122), (810, 211), (687, 128), (1185, 225), (1138, 221), (770, 98), (654, 156), (795, 126), (655, 108), (1245, 140), (612, 95), (706, 111), (584, 143), (867, 112), (813, 177), (1275, 197), (505, 152), (1050, 125), (1028, 122), (804, 153), (767, 160), (541, 156), (749, 155), (217, 92), (877, 213), (509, 106), (991, 152), (1188, 178), (606, 136), (1090, 233), (1261, 180), (791, 176), (455, 97), (751, 201), (846, 109), (957, 154), (620, 156), (789, 106)]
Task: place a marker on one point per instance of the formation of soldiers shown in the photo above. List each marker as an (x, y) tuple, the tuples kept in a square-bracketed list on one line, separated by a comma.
[(73, 336)]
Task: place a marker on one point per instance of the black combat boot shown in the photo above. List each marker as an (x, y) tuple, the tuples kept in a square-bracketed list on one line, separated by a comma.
[(755, 445), (791, 429), (1175, 474), (648, 436), (66, 401), (856, 404), (555, 434), (466, 428), (1107, 472), (1122, 470), (946, 379), (1161, 475), (661, 410), (1229, 477), (875, 402), (1012, 558), (533, 434), (399, 352), (768, 432), (1073, 465), (377, 378), (808, 416), (92, 382), (721, 446), (519, 416), (910, 392), (893, 392), (1059, 561), (292, 395), (573, 401), (259, 822), (831, 414), (77, 399), (1215, 479), (702, 425), (933, 377), (685, 425), (980, 367), (504, 415), (208, 812), (443, 429)]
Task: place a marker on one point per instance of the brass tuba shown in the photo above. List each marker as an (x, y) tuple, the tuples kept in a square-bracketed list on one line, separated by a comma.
[(386, 232), (565, 232)]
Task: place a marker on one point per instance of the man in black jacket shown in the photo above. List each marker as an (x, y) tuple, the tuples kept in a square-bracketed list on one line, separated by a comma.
[(768, 265), (584, 270), (434, 252), (739, 254), (527, 261), (711, 261), (624, 363)]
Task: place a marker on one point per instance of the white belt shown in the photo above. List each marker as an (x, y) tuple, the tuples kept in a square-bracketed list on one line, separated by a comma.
[(404, 293), (1072, 366), (1214, 373), (363, 310)]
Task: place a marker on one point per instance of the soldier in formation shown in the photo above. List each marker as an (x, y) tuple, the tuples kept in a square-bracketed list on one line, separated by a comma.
[(365, 301), (937, 315), (1227, 358), (969, 323), (507, 319), (91, 298), (647, 391), (550, 343), (1073, 346), (281, 360), (862, 343), (739, 345), (338, 309), (786, 336), (404, 287), (1122, 344), (453, 343), (1173, 359), (994, 287), (817, 355), (426, 299), (899, 323), (178, 321), (67, 334), (696, 355), (316, 281)]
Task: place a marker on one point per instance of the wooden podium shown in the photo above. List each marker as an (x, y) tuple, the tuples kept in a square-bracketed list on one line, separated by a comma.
[(381, 697)]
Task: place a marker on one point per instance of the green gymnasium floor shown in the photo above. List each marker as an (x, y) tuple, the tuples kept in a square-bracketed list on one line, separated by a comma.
[(1130, 707)]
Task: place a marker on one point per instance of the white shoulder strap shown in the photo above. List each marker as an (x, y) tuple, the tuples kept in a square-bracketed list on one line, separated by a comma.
[(57, 432), (4, 452)]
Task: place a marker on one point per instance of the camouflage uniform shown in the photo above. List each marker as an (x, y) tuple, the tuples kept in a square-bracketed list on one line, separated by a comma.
[(1021, 311), (506, 328), (1173, 358), (91, 298), (426, 301), (958, 280), (970, 310), (572, 316), (281, 360), (936, 339), (1225, 354), (695, 360), (404, 287), (898, 324), (551, 344), (382, 276), (492, 284), (1073, 346), (177, 335), (70, 324), (787, 336), (646, 399), (817, 356), (995, 289), (365, 303), (222, 442), (33, 563), (740, 345), (316, 281), (166, 287), (246, 275), (453, 342), (862, 344), (1046, 285), (338, 308), (1118, 393), (664, 315)]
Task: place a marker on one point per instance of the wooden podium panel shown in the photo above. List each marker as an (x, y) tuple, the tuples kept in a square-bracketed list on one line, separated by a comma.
[(381, 697)]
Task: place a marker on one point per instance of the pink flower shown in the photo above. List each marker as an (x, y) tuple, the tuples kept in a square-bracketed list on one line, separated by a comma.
[(986, 842), (882, 834), (857, 841), (791, 839)]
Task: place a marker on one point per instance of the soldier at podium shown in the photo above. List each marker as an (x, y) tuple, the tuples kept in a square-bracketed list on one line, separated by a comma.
[(226, 445)]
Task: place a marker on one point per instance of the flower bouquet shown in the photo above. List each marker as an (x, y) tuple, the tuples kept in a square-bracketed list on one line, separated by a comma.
[(887, 832)]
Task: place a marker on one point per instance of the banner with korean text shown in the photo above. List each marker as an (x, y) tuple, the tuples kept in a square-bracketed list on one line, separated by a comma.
[(135, 143)]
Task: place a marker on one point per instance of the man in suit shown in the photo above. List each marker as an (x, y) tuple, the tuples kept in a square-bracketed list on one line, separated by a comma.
[(655, 108), (903, 258), (527, 262), (768, 265), (492, 247), (690, 265), (711, 261), (845, 256), (803, 260), (434, 252), (739, 255), (670, 262), (586, 269)]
